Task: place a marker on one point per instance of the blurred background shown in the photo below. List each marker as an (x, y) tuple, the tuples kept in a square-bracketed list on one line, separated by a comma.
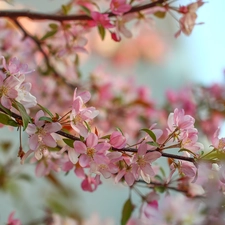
[(159, 61)]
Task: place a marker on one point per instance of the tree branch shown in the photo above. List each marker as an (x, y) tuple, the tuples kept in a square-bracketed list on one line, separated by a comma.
[(134, 150), (46, 16), (39, 46)]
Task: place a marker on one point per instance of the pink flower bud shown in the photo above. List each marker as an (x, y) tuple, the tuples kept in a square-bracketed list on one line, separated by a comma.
[(117, 140)]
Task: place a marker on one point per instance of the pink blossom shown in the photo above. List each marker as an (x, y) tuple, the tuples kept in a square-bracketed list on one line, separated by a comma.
[(51, 162), (128, 175), (218, 143), (92, 151), (15, 67), (100, 19), (106, 167), (85, 96), (12, 221), (25, 97), (188, 169), (90, 183), (179, 120), (8, 90), (117, 140), (41, 134), (119, 7), (187, 21), (141, 163), (189, 140), (79, 115), (120, 28)]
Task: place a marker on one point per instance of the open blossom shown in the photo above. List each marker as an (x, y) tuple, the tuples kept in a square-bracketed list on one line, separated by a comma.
[(187, 21), (25, 97), (41, 133), (218, 143), (8, 90), (107, 166), (184, 168), (189, 140), (127, 173), (119, 7), (92, 151), (15, 67), (179, 123), (79, 115), (141, 163), (179, 120)]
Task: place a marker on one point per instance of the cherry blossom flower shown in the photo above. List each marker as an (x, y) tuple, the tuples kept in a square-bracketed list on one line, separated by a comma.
[(85, 96), (141, 163), (8, 90), (106, 167), (117, 140), (92, 151), (218, 143), (79, 115), (12, 221), (119, 7), (51, 162), (25, 97), (16, 68), (187, 21), (189, 140), (41, 134), (178, 120), (128, 175)]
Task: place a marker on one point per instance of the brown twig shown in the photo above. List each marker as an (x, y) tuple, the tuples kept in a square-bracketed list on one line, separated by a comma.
[(46, 16), (26, 34), (134, 150)]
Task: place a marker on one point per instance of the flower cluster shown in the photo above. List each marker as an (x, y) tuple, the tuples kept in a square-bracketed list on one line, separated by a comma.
[(13, 86)]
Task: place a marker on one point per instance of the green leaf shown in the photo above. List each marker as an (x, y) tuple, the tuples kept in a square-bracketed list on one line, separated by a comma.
[(87, 125), (53, 26), (25, 117), (66, 9), (7, 111), (160, 15), (160, 189), (45, 118), (46, 110), (152, 143), (162, 171), (127, 211), (118, 129), (101, 31), (49, 34), (69, 142), (6, 120), (150, 133), (106, 137), (86, 10), (158, 178)]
